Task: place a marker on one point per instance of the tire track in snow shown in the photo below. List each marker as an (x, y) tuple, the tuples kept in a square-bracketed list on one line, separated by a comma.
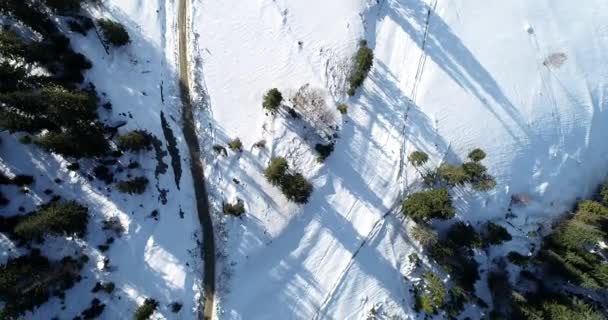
[(414, 92), (380, 222)]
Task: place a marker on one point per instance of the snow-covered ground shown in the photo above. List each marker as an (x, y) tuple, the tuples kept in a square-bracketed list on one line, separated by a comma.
[(157, 259), (522, 80)]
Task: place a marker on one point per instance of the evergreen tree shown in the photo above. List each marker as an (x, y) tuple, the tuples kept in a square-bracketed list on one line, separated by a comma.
[(276, 170), (272, 100)]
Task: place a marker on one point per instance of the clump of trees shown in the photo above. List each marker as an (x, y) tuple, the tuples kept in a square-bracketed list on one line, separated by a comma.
[(145, 311), (430, 204), (133, 186), (136, 140), (494, 234), (343, 108), (272, 100), (29, 281), (59, 117), (293, 184), (363, 63), (114, 32), (59, 218)]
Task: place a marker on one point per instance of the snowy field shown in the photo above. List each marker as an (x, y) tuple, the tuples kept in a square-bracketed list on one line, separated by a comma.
[(523, 80), (153, 258)]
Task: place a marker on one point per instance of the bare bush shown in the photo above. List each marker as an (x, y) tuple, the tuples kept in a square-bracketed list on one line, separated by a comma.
[(310, 102)]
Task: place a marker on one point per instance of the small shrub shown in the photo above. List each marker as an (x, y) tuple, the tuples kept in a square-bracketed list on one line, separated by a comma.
[(296, 188), (114, 32), (418, 158), (293, 185), (236, 209), (145, 311), (363, 63), (276, 170), (236, 145), (477, 155), (136, 140), (272, 100), (343, 108), (324, 150), (432, 204), (494, 234), (134, 186)]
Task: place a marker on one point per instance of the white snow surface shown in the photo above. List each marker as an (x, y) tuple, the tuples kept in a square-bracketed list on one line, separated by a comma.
[(524, 81), (151, 259)]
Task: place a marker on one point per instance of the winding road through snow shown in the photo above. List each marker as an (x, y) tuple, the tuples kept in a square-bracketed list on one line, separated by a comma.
[(198, 176)]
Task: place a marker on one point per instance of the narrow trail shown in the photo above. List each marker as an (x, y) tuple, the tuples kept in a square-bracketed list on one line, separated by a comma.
[(198, 176)]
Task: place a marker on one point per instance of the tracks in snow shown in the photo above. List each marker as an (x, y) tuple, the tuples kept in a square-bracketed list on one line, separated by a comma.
[(380, 222)]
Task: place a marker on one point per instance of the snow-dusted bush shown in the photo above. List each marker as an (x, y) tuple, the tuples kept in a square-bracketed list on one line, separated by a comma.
[(235, 209), (343, 108), (134, 186), (272, 100), (114, 32), (58, 218), (431, 204), (310, 103)]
